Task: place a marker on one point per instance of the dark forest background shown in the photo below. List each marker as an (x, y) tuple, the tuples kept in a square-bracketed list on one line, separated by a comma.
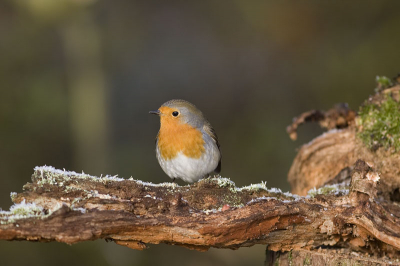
[(77, 79)]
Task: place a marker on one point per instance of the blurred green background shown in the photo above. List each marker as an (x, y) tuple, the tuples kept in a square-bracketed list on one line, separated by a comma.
[(78, 78)]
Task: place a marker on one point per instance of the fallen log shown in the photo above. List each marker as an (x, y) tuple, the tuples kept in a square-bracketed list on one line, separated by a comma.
[(69, 207)]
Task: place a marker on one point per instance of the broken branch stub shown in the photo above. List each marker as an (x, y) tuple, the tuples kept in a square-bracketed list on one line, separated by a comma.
[(69, 207), (338, 117)]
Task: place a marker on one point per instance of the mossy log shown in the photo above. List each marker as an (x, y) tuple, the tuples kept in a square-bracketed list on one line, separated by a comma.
[(373, 136), (69, 207)]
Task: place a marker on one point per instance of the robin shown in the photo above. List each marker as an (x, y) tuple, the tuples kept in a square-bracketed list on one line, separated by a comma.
[(186, 145)]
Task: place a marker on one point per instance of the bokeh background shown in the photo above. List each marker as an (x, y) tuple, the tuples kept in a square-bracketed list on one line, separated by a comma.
[(78, 77)]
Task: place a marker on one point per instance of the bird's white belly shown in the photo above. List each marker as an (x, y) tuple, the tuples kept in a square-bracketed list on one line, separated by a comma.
[(190, 169)]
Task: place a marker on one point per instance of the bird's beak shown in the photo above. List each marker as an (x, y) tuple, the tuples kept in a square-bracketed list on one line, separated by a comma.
[(157, 112)]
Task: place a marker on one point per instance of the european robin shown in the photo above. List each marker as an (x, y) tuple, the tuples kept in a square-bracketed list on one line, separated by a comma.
[(186, 145)]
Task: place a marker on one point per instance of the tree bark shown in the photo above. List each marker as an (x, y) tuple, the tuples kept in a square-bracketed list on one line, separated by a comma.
[(69, 207), (324, 257)]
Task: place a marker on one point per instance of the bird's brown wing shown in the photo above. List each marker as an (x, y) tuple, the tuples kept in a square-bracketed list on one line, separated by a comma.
[(211, 132)]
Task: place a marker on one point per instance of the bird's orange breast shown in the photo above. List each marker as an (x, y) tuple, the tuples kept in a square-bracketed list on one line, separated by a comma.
[(175, 137)]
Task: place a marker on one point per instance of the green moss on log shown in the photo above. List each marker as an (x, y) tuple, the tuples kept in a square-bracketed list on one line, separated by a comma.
[(379, 125)]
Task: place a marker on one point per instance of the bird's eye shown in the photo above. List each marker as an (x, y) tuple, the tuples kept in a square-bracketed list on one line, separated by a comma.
[(175, 113)]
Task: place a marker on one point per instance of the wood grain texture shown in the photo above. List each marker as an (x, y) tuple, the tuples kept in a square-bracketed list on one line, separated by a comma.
[(210, 213)]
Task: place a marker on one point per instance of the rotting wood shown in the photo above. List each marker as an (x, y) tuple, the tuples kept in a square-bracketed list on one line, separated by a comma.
[(324, 257), (68, 207), (372, 135), (329, 157)]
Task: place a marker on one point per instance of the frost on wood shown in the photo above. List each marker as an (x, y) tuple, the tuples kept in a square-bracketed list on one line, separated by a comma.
[(69, 207)]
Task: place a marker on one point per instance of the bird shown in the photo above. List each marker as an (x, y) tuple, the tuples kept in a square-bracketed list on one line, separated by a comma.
[(187, 146)]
